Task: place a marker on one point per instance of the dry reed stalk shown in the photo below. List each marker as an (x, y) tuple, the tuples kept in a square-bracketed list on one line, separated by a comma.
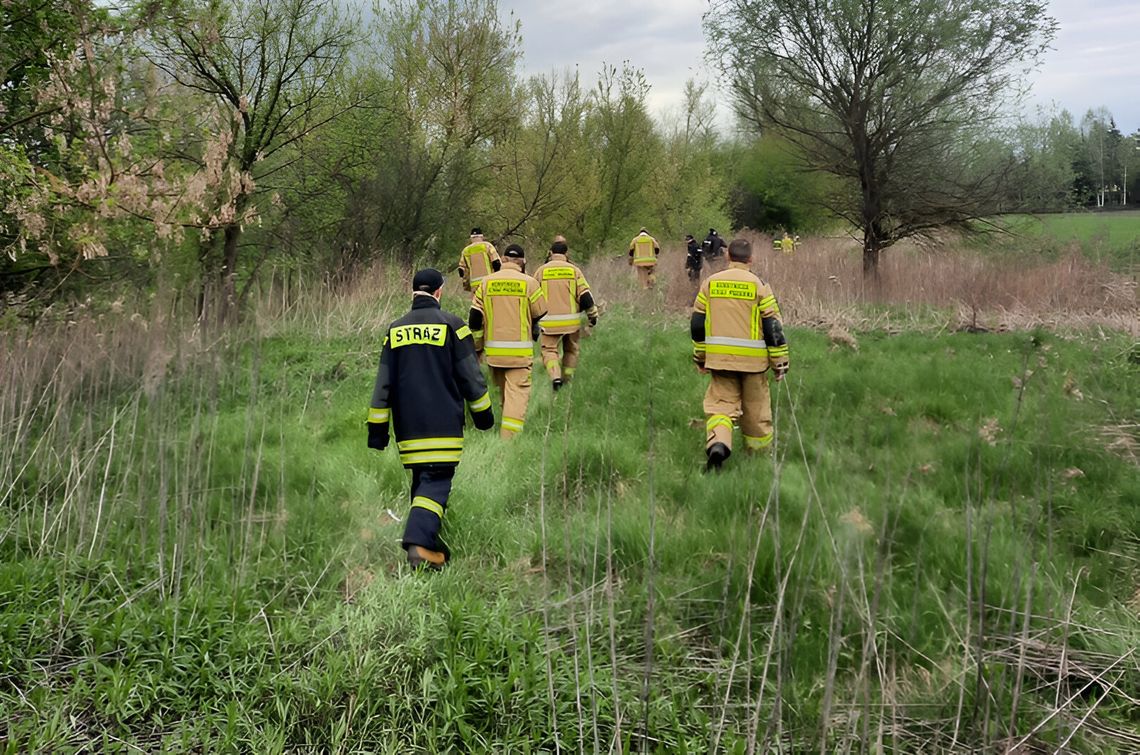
[(943, 285)]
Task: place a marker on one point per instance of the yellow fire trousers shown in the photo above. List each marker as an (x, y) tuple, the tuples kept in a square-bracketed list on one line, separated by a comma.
[(741, 396), (647, 276), (514, 386), (561, 365)]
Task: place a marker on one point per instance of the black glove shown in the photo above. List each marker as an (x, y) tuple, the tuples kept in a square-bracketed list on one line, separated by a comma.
[(483, 420), (593, 320), (378, 435)]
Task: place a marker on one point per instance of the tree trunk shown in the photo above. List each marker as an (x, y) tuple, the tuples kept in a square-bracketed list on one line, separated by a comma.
[(872, 249), (227, 306)]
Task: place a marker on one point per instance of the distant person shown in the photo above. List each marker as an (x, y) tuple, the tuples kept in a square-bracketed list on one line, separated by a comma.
[(713, 249), (643, 252), (427, 371), (692, 258), (568, 300), (787, 244), (477, 260), (737, 337), (505, 311)]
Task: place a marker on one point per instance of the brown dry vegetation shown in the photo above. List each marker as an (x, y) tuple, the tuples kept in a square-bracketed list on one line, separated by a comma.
[(942, 286)]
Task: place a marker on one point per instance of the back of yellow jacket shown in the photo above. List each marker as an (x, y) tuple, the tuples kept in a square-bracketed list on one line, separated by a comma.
[(736, 324), (568, 297), (505, 311)]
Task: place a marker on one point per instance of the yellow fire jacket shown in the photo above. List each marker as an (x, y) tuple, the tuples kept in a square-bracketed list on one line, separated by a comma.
[(736, 324), (567, 296), (477, 260), (643, 250), (505, 311)]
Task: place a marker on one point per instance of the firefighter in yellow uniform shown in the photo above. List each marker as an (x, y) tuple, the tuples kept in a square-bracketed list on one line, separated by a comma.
[(737, 336), (787, 244), (643, 251), (477, 260), (568, 300), (505, 311)]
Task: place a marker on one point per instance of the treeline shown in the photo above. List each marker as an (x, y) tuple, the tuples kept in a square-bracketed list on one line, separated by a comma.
[(210, 145), (207, 142), (1062, 163)]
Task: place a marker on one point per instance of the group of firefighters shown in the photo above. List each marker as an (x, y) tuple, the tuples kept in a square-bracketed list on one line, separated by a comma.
[(430, 371)]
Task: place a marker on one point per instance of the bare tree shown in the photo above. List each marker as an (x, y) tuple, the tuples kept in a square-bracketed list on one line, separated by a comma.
[(274, 65), (893, 96)]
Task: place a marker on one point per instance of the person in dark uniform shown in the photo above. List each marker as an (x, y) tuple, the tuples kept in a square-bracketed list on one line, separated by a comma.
[(692, 258), (427, 372)]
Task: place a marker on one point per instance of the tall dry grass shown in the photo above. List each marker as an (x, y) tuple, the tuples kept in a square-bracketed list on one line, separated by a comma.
[(946, 285)]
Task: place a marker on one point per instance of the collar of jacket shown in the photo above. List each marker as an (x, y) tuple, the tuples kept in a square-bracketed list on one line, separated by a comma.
[(740, 265), (556, 257), (511, 263), (424, 301)]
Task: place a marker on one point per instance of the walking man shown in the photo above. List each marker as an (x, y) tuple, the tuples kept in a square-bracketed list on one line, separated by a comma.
[(427, 371), (505, 311), (737, 336), (643, 251), (568, 300), (477, 260)]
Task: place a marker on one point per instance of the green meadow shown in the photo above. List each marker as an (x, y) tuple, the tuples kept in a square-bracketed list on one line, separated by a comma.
[(940, 554)]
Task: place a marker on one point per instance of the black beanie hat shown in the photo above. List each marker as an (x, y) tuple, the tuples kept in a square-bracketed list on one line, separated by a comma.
[(428, 280), (514, 250)]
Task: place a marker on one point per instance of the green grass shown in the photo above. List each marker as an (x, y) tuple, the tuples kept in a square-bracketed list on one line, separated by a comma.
[(1109, 237), (242, 588)]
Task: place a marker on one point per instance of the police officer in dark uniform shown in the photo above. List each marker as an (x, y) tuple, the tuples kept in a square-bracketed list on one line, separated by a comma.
[(427, 371), (692, 258)]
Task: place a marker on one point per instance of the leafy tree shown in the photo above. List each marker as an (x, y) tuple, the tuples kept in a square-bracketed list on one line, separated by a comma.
[(271, 66), (628, 149), (772, 189), (890, 96)]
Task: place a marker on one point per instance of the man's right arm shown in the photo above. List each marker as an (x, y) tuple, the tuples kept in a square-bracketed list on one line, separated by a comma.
[(697, 325), (475, 318), (379, 412)]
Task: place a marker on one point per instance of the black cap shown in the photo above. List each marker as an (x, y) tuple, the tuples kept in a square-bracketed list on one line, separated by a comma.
[(514, 250), (476, 231), (712, 231), (428, 280)]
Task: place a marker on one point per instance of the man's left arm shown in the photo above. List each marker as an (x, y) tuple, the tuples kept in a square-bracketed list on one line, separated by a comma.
[(773, 328), (469, 378), (537, 304)]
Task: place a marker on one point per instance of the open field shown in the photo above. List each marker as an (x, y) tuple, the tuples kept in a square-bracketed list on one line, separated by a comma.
[(1111, 237), (199, 553)]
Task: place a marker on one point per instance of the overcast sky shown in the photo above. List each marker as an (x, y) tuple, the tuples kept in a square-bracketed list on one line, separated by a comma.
[(1096, 60)]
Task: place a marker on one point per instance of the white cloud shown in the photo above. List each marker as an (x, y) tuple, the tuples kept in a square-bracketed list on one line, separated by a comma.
[(1093, 63)]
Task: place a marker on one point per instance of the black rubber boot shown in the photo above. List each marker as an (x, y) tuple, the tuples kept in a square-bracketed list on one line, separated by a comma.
[(717, 454), (556, 384), (420, 557)]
